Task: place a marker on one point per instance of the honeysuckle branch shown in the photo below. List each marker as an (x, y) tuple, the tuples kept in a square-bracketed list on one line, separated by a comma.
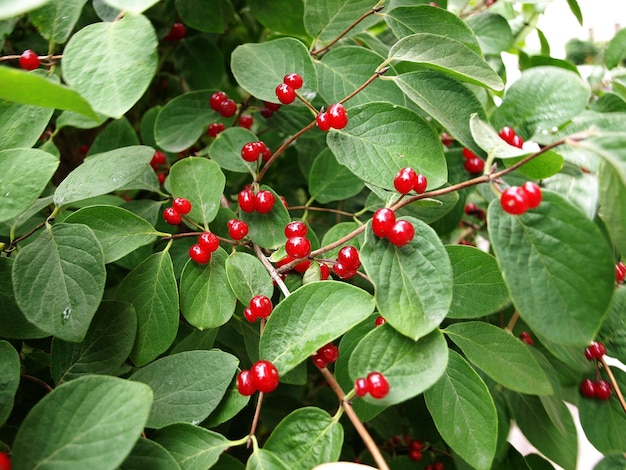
[(14, 243), (321, 209), (36, 380), (376, 75), (271, 270), (614, 384), (255, 420)]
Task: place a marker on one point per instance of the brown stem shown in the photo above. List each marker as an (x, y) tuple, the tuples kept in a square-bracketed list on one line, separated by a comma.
[(36, 380), (257, 413), (512, 322), (270, 269), (614, 384), (320, 209), (26, 235), (377, 74)]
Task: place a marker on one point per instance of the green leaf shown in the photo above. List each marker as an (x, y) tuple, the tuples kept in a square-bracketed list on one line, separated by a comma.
[(56, 19), (310, 317), (501, 356), (149, 454), (306, 437), (573, 5), (132, 6), (187, 386), (118, 230), (33, 89), (248, 277), (151, 288), (612, 192), (268, 230), (464, 413), (325, 20), (448, 101), (206, 299), (446, 55), (25, 174), (10, 369), (542, 98), (612, 462), (489, 140), (106, 346), (406, 304), (232, 403), (10, 8), (22, 125), (210, 17), (615, 51), (200, 62), (262, 459), (193, 447), (329, 181), (96, 431), (116, 134), (478, 288), (259, 68), (376, 153), (112, 64), (492, 31), (290, 20), (103, 173), (226, 149), (59, 279), (557, 266), (613, 332)]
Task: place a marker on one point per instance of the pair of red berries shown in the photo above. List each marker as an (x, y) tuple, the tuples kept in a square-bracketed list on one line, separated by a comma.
[(599, 389), (237, 229), (620, 272), (262, 202), (286, 91), (29, 60), (473, 163), (407, 180), (375, 384), (415, 450), (335, 117), (215, 129), (201, 252), (262, 377), (174, 215), (327, 354), (347, 263), (251, 151), (260, 306), (297, 246), (224, 105), (385, 225), (595, 351), (510, 137), (516, 200), (269, 109)]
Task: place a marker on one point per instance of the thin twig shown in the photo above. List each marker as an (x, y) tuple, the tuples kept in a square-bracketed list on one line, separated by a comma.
[(614, 384), (320, 209), (270, 269), (37, 381), (26, 235), (255, 420), (512, 322), (377, 74)]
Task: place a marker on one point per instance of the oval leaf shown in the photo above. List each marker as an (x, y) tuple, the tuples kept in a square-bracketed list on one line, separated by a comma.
[(248, 277), (329, 181), (325, 20), (55, 20), (10, 369), (226, 149), (149, 454), (22, 125)]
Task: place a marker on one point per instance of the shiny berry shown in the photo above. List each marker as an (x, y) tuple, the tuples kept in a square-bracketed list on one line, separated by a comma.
[(271, 106), (237, 229), (474, 165), (382, 222), (322, 121), (250, 152), (177, 32), (182, 205), (588, 388), (415, 455), (247, 200), (318, 360), (533, 194), (525, 337), (293, 80), (360, 387), (158, 159), (264, 201), (298, 247), (199, 254), (602, 390), (514, 200), (342, 271), (595, 350), (264, 376), (467, 153), (295, 229), (261, 306), (285, 93), (249, 315), (209, 241), (172, 216), (517, 142), (620, 272), (416, 445), (329, 353), (302, 267), (217, 99), (507, 134), (405, 180), (377, 385), (337, 116), (244, 383), (421, 184), (324, 272), (29, 60), (401, 233), (349, 257), (380, 320), (228, 108), (246, 121)]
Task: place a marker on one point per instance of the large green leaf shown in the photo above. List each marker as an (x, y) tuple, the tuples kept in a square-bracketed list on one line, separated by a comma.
[(464, 413), (501, 356), (557, 266), (91, 422), (106, 346), (268, 230), (25, 174), (9, 378), (329, 181), (149, 454), (226, 149), (212, 17), (112, 64), (309, 318), (325, 20), (615, 51), (306, 437), (375, 153), (10, 8), (193, 447), (289, 21), (56, 19), (492, 31), (103, 173), (206, 299), (612, 192), (151, 288), (22, 125), (248, 277), (187, 386), (409, 366), (259, 68), (59, 279), (413, 282), (446, 55)]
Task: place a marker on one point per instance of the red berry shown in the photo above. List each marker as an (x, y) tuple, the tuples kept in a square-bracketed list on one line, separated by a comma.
[(596, 350), (285, 93), (5, 461), (415, 455), (302, 267), (514, 201), (249, 315), (342, 271), (266, 154), (244, 383), (199, 254), (322, 121), (29, 60), (377, 385), (217, 99), (295, 229), (237, 229), (439, 465), (447, 139), (474, 165), (250, 152), (158, 159), (349, 257), (265, 376), (271, 106), (293, 80), (247, 200), (525, 337), (507, 134), (215, 128), (337, 116), (380, 321), (517, 142), (602, 390), (266, 113), (324, 272), (405, 180), (319, 362), (161, 177), (588, 388), (182, 205), (209, 241), (284, 261), (401, 233), (246, 121), (383, 221), (421, 184), (172, 216), (620, 272), (177, 32), (261, 306), (360, 387), (533, 194), (471, 208), (416, 445), (329, 353), (298, 247), (228, 108), (264, 201), (467, 153)]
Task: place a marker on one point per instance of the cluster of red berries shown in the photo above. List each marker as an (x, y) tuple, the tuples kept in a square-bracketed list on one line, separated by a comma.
[(525, 337), (335, 117), (286, 91), (201, 252), (262, 376), (159, 162), (29, 60), (224, 105), (215, 129), (297, 246), (260, 306), (177, 32), (473, 163), (269, 109), (600, 389), (325, 355), (5, 461), (516, 200), (620, 272), (510, 137), (375, 384), (408, 180), (385, 225), (251, 151), (262, 202), (347, 263), (174, 215), (237, 229)]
